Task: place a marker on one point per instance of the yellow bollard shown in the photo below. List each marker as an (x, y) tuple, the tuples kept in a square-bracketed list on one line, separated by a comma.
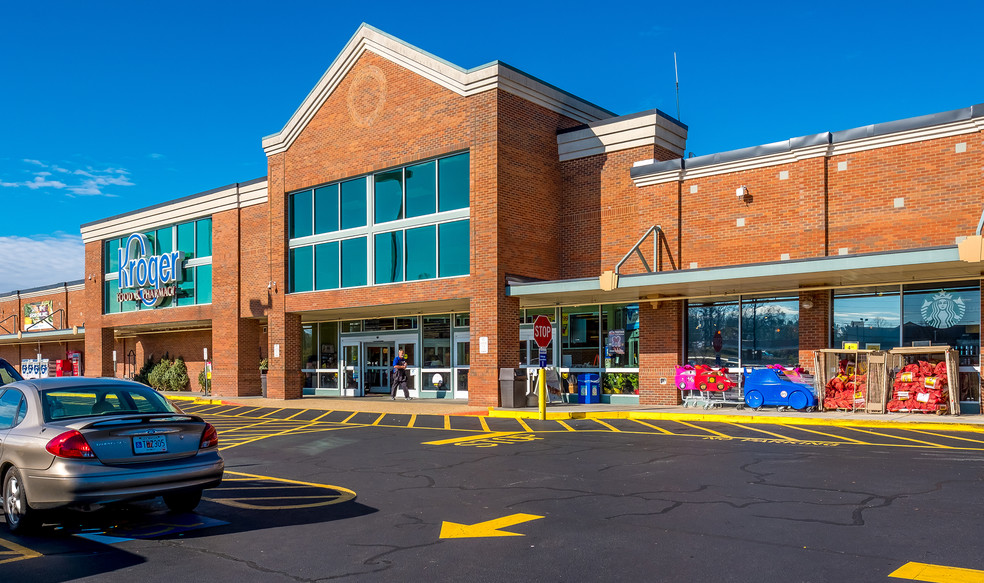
[(542, 393)]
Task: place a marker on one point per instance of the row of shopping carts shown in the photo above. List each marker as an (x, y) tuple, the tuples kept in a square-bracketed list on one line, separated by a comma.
[(773, 386), (707, 387)]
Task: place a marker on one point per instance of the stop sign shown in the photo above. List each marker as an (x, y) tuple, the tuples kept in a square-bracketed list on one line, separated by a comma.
[(542, 331)]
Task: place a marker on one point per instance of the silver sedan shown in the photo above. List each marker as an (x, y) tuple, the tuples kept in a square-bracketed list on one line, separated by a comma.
[(76, 442)]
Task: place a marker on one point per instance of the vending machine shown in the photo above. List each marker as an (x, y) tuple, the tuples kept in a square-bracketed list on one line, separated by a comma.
[(76, 359)]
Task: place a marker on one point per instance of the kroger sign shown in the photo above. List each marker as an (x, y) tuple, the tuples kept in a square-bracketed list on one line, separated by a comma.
[(152, 276)]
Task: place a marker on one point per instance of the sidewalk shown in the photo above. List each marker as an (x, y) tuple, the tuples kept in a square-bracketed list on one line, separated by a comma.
[(727, 414)]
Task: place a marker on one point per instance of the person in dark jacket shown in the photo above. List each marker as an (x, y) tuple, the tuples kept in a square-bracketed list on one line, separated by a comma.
[(399, 376)]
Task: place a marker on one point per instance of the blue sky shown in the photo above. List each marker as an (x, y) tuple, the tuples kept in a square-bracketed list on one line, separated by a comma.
[(106, 107)]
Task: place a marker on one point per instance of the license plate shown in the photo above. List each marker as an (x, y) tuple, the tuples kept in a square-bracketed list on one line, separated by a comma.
[(155, 444)]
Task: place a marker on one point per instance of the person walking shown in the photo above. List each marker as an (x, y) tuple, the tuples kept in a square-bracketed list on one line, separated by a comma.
[(399, 377)]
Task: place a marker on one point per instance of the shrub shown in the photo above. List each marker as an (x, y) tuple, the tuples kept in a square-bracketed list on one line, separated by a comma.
[(201, 379), (264, 365), (141, 377), (157, 375), (176, 378)]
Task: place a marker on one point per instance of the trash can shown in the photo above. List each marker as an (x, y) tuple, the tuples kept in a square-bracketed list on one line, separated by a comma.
[(588, 388), (512, 387)]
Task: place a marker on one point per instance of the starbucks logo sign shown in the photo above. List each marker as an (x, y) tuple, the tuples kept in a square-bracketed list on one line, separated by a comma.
[(943, 310)]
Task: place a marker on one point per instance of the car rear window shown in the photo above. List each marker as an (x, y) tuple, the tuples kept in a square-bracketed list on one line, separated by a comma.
[(58, 404), (8, 374)]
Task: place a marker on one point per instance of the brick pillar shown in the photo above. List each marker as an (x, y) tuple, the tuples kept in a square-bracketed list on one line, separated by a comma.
[(498, 321), (284, 379), (236, 361), (814, 325), (660, 351), (98, 358)]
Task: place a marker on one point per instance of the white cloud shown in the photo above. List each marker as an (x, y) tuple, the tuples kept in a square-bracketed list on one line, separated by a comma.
[(156, 156), (86, 181), (40, 182), (27, 262), (36, 162)]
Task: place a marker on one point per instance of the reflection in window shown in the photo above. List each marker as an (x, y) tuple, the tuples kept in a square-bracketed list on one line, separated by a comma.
[(388, 203), (203, 290), (942, 315), (203, 238), (712, 337), (770, 331), (421, 189), (437, 341), (453, 185), (422, 253), (388, 248), (326, 209), (579, 337), (353, 204), (300, 214), (301, 271), (453, 249), (867, 316), (326, 265), (354, 262), (620, 334)]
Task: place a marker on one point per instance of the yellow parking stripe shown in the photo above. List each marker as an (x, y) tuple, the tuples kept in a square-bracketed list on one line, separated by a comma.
[(830, 435), (447, 422), (718, 433), (413, 419), (902, 438), (350, 416), (525, 426), (247, 412), (610, 427), (485, 426), (378, 419), (241, 427), (15, 552), (762, 431), (294, 415), (565, 426), (946, 436), (270, 413), (660, 429), (322, 415), (469, 438)]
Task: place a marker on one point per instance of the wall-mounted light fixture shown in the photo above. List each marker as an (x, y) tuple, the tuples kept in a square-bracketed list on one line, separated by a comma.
[(807, 304), (272, 285), (742, 193)]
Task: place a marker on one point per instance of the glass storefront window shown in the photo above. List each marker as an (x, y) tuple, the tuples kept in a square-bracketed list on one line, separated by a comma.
[(351, 326), (377, 324), (388, 248), (580, 336), (406, 323), (110, 289), (388, 202), (151, 240), (203, 238), (165, 240), (186, 288), (704, 343), (300, 214), (453, 182), (868, 316), (354, 262), (620, 334), (326, 209), (421, 183), (203, 289), (328, 346), (462, 320), (309, 360), (437, 340), (353, 203), (453, 249), (422, 253), (301, 269), (770, 331), (326, 266)]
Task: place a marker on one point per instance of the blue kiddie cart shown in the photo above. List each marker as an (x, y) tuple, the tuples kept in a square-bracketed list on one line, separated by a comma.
[(780, 388)]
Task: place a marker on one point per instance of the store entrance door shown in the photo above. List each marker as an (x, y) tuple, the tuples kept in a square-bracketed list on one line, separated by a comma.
[(376, 368), (350, 369)]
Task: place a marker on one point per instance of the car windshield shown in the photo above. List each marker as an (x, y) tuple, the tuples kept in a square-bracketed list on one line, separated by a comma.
[(68, 403), (8, 374)]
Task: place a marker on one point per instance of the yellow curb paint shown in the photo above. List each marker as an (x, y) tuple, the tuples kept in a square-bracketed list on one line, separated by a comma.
[(937, 574), (470, 438)]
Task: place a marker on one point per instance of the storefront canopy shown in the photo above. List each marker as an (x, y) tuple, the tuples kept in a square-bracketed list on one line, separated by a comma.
[(792, 276)]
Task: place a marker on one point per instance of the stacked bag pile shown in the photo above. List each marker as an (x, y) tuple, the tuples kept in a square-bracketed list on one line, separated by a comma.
[(920, 387), (846, 391)]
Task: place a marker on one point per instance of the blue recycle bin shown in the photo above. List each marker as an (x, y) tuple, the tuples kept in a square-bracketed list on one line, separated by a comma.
[(589, 388)]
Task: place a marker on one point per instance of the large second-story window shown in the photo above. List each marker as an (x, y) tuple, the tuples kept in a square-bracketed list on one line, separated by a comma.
[(194, 284), (403, 224)]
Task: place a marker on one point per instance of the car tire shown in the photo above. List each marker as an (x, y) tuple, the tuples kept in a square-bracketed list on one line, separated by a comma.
[(183, 501), (20, 517)]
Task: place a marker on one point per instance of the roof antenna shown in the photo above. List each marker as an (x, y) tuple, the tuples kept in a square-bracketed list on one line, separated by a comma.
[(676, 73)]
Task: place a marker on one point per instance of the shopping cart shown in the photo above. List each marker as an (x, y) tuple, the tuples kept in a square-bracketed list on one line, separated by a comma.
[(705, 386)]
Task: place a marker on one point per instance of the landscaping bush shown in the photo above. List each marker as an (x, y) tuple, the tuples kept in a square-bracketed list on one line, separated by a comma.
[(176, 377), (156, 378)]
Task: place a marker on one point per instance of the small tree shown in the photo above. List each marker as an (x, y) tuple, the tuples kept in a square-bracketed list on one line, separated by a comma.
[(142, 376)]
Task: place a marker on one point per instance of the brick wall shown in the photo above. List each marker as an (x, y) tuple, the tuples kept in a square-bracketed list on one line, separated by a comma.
[(660, 351)]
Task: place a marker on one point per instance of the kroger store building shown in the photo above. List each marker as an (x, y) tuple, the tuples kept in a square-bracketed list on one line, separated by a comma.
[(413, 204)]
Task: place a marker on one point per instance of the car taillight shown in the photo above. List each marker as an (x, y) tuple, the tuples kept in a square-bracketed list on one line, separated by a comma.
[(70, 444), (210, 437)]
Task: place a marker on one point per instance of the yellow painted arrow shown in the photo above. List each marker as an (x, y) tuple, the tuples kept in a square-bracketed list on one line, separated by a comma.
[(485, 529), (937, 574)]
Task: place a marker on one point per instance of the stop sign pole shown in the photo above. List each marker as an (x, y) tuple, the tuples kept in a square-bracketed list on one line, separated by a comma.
[(542, 335)]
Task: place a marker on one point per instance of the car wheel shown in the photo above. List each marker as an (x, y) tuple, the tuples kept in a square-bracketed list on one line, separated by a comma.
[(183, 501), (20, 516)]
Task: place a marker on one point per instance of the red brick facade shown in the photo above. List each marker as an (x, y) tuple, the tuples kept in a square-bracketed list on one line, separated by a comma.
[(534, 215)]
